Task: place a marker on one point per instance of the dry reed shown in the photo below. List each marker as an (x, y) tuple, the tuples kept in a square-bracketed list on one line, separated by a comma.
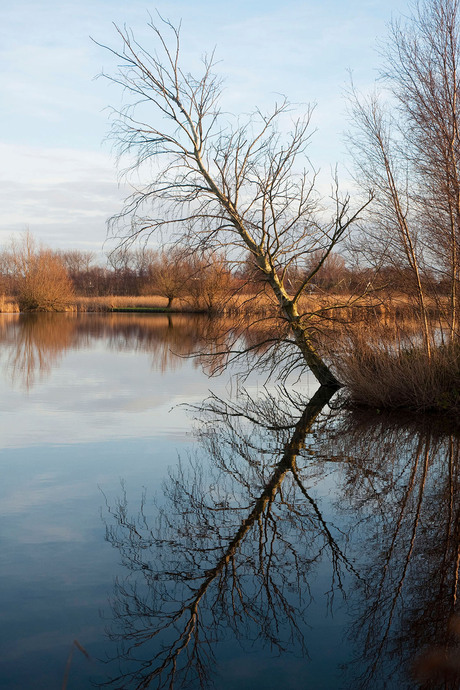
[(8, 305), (386, 371)]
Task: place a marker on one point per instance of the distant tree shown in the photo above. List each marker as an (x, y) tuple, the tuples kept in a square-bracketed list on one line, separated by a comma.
[(171, 274), (211, 283), (6, 272), (332, 275), (79, 265), (143, 261), (76, 260), (40, 279), (121, 261)]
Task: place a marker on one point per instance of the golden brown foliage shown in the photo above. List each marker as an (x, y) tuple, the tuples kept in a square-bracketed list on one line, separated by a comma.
[(40, 280)]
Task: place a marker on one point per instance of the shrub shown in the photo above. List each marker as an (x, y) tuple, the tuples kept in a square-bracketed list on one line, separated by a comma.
[(40, 279)]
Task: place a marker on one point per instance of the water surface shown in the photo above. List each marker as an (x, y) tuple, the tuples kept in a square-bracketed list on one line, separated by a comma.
[(258, 540)]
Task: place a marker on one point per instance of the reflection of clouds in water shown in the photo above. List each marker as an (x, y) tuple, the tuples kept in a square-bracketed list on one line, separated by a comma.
[(39, 492), (71, 388), (41, 534), (92, 390)]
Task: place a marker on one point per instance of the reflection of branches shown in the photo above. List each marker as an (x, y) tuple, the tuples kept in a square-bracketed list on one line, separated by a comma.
[(35, 342), (232, 548), (411, 513), (39, 342)]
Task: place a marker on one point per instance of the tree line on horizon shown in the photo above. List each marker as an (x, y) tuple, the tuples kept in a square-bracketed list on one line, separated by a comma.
[(173, 274)]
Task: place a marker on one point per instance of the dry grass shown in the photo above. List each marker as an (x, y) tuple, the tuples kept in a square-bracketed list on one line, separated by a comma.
[(8, 305), (118, 302), (343, 307), (249, 303), (237, 303), (385, 372)]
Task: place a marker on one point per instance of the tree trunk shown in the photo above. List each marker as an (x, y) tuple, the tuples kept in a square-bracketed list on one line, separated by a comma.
[(318, 367), (301, 336)]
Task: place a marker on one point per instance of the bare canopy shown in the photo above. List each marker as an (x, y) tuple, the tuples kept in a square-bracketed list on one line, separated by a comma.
[(217, 182)]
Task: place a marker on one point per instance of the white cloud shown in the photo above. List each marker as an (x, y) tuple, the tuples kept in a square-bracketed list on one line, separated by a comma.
[(59, 194), (55, 178)]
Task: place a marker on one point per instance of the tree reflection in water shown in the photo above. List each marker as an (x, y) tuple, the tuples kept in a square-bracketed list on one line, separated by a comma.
[(403, 478), (35, 343), (234, 547)]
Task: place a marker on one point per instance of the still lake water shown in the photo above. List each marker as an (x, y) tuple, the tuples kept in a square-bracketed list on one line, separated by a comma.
[(249, 541)]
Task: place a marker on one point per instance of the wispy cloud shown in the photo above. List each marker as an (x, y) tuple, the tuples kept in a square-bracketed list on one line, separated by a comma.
[(54, 173)]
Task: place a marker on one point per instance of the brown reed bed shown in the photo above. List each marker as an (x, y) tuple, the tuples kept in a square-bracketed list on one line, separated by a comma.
[(343, 307), (230, 305), (388, 368), (8, 305)]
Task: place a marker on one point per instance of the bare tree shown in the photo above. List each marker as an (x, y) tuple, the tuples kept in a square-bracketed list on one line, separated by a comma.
[(171, 274), (333, 273), (422, 70), (413, 156), (222, 184), (80, 266), (394, 225), (40, 279), (77, 261), (211, 284)]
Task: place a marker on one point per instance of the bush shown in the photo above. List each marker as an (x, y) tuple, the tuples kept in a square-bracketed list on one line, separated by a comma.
[(40, 279)]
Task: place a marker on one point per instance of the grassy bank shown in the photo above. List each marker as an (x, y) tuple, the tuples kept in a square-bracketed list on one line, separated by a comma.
[(344, 308)]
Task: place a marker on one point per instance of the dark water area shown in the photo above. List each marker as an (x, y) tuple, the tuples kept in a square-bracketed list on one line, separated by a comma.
[(163, 529)]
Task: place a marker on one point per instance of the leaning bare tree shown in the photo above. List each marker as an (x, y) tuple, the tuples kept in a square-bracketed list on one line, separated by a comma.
[(220, 184)]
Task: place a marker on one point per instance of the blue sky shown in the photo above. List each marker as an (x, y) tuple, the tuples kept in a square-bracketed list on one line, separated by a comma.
[(59, 177)]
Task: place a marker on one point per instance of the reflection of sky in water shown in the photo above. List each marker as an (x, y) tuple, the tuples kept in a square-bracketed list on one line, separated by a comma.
[(56, 569), (97, 416), (96, 393), (100, 417), (103, 395)]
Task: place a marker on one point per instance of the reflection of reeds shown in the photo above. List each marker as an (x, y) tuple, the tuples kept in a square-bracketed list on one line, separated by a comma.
[(401, 477), (75, 645)]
